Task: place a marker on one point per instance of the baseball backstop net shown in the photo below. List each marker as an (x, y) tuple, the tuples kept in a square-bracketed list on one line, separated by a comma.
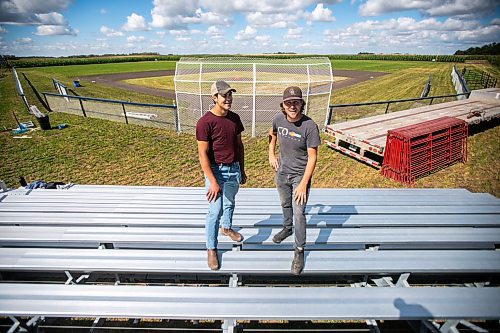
[(259, 85)]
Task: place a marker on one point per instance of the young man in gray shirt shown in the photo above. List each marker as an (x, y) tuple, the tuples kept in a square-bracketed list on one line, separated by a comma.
[(298, 138)]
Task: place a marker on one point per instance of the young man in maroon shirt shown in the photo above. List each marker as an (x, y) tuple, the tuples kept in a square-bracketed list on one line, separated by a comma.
[(221, 155)]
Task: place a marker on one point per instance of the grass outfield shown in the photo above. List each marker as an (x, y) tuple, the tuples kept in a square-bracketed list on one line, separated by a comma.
[(94, 151)]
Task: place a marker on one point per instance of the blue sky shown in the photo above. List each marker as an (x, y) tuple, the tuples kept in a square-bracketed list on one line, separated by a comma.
[(70, 27)]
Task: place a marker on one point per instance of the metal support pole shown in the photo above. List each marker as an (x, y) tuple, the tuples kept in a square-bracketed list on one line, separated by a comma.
[(329, 113), (47, 102), (83, 109), (177, 118), (387, 108), (308, 88), (254, 91), (125, 113), (200, 90)]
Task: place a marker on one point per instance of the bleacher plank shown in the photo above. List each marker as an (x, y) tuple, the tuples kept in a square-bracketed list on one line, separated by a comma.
[(248, 220), (174, 208), (266, 197), (122, 236), (249, 303), (249, 262)]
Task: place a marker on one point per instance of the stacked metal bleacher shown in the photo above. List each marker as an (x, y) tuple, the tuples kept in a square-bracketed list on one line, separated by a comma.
[(417, 150), (135, 258)]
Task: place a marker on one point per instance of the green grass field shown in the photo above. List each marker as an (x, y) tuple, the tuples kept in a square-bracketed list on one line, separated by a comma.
[(94, 151)]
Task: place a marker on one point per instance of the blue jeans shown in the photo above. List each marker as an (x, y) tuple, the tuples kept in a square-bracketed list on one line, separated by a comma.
[(286, 184), (220, 211)]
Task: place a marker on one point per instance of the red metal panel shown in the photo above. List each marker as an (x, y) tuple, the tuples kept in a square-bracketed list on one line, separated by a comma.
[(414, 151)]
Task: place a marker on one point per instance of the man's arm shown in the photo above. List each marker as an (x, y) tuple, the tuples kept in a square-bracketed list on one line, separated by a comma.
[(214, 188), (273, 160), (300, 194), (241, 158)]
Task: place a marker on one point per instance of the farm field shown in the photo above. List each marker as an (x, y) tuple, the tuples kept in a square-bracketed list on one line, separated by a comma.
[(94, 151)]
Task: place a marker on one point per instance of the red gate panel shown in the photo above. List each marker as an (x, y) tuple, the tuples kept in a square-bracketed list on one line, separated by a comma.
[(414, 151)]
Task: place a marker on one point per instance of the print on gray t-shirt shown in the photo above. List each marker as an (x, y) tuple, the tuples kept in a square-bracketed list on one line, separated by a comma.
[(293, 140)]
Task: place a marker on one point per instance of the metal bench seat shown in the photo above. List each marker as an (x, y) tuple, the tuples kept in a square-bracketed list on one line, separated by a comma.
[(266, 197), (201, 208), (249, 262), (246, 220), (249, 303), (428, 237)]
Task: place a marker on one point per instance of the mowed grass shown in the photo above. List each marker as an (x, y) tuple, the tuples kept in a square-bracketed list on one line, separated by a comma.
[(94, 151)]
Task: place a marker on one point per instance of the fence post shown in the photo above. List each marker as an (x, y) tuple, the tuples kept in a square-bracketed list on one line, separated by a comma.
[(83, 109), (47, 102), (329, 113), (125, 113), (176, 118), (387, 108), (199, 89), (308, 88), (254, 115), (432, 100)]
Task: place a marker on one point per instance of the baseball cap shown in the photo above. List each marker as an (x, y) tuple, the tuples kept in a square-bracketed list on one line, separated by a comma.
[(291, 93), (221, 87)]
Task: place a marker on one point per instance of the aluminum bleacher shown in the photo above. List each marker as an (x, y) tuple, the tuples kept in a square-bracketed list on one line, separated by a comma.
[(138, 252)]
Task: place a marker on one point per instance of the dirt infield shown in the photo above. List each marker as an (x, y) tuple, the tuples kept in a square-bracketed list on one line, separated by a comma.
[(116, 80)]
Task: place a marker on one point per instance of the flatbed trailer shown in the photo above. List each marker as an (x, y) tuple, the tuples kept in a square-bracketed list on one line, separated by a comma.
[(365, 139)]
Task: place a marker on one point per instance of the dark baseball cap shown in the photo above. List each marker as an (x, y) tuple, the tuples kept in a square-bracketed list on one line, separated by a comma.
[(291, 93), (221, 87)]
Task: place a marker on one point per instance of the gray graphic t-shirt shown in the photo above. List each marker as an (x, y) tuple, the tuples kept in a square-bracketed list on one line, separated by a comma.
[(293, 140)]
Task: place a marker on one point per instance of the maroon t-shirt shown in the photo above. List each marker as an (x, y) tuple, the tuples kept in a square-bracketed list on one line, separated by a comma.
[(220, 133)]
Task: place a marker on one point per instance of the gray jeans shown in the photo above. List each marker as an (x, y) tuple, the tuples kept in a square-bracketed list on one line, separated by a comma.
[(286, 184)]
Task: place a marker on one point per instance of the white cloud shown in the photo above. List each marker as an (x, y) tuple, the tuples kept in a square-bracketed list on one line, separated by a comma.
[(26, 11), (51, 19), (178, 14), (178, 33), (263, 6), (25, 40), (214, 32), (409, 35), (103, 11), (108, 32), (206, 17), (136, 39), (247, 34), (281, 20), (429, 7), (320, 13), (495, 21), (53, 30), (264, 40), (181, 35), (168, 14), (135, 23), (294, 33)]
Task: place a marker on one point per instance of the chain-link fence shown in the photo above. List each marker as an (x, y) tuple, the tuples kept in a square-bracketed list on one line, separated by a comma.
[(152, 115), (259, 85)]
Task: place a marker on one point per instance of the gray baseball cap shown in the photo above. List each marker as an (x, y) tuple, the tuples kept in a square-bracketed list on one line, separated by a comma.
[(221, 87)]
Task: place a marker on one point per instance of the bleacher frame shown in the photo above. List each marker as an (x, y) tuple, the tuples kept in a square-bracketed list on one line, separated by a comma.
[(393, 254)]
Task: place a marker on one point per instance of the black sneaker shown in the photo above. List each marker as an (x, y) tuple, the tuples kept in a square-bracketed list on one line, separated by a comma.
[(298, 262), (282, 235)]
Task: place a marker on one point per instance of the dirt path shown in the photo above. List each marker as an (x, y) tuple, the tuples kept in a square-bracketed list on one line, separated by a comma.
[(116, 80)]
